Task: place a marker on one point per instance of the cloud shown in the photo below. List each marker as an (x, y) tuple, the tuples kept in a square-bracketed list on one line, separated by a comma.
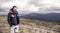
[(46, 5), (31, 5), (53, 9), (1, 10), (21, 4)]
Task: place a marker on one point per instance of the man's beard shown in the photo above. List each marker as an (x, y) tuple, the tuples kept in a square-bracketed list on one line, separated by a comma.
[(14, 12)]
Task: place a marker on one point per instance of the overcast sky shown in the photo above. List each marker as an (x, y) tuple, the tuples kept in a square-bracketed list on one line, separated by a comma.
[(29, 6)]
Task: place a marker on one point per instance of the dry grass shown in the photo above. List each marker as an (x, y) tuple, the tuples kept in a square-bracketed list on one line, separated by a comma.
[(30, 26)]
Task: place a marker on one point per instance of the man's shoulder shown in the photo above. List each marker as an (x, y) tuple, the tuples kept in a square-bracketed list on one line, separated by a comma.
[(9, 13)]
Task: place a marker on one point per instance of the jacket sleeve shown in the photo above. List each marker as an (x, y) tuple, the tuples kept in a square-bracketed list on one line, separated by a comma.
[(18, 19), (9, 19)]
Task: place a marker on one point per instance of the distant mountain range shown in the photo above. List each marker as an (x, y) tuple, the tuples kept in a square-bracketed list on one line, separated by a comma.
[(45, 17)]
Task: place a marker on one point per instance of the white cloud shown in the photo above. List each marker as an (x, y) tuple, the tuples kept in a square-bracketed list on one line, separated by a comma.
[(14, 2), (46, 4), (31, 5)]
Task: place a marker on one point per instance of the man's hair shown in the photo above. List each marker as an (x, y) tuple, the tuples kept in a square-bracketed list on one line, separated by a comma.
[(14, 6)]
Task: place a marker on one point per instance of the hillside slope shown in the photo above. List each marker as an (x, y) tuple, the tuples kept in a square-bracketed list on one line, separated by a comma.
[(30, 26)]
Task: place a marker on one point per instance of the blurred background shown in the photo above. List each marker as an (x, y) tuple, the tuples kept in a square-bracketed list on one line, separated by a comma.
[(43, 16)]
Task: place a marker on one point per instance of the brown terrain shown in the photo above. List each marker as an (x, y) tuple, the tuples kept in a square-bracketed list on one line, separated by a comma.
[(30, 26)]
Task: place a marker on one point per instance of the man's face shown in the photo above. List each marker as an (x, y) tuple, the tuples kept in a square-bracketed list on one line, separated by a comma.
[(15, 9)]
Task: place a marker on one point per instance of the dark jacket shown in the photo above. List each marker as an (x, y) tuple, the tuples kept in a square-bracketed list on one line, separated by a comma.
[(13, 20)]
